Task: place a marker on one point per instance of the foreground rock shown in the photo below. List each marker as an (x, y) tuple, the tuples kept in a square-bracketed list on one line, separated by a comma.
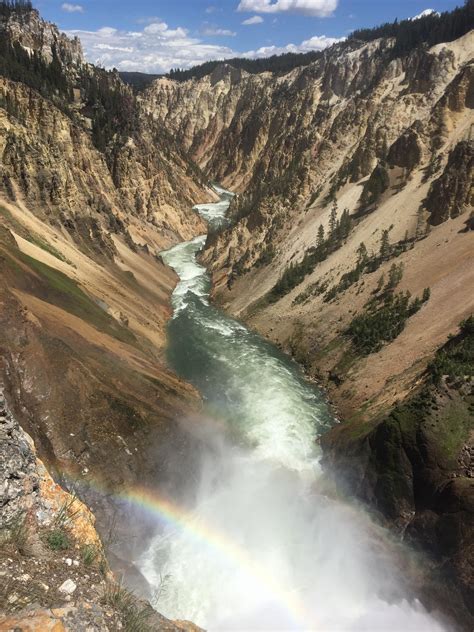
[(53, 568)]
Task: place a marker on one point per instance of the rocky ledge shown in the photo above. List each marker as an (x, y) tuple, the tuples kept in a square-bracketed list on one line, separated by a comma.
[(53, 565)]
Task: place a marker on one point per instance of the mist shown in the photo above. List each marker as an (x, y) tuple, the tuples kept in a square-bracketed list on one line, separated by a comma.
[(262, 544)]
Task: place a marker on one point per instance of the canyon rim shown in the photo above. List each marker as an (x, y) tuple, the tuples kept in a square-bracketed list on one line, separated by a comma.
[(236, 335)]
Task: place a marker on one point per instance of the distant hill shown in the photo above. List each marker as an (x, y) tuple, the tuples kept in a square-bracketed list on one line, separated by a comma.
[(138, 80), (279, 64), (428, 29)]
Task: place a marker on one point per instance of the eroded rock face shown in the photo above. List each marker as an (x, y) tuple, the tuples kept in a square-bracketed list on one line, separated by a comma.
[(293, 142), (405, 151), (35, 34), (84, 296), (453, 192), (17, 467), (71, 163)]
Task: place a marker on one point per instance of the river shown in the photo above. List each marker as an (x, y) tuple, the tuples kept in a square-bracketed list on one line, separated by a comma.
[(263, 547)]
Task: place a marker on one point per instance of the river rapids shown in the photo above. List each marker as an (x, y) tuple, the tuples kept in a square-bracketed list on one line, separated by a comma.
[(263, 547)]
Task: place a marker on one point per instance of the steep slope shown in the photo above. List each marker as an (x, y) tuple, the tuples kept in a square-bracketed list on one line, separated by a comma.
[(357, 130), (91, 191), (351, 247)]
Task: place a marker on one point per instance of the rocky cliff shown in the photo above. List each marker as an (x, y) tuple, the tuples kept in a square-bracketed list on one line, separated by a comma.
[(91, 191), (52, 559), (351, 247)]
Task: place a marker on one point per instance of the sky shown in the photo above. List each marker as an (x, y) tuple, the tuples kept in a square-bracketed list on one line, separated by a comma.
[(156, 35)]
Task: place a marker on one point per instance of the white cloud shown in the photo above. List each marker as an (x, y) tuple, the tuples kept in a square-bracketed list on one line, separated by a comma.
[(424, 14), (256, 19), (317, 42), (211, 30), (72, 8), (317, 8), (157, 48)]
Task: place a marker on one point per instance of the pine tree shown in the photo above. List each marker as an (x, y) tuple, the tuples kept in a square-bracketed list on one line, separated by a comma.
[(384, 245), (345, 224), (380, 282), (320, 240), (420, 224), (395, 275), (362, 254), (333, 224)]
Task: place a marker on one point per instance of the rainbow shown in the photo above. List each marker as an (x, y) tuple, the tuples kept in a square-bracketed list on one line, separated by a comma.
[(177, 517), (204, 534)]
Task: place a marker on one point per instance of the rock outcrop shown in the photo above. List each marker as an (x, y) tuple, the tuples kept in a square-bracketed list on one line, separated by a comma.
[(453, 191), (54, 571)]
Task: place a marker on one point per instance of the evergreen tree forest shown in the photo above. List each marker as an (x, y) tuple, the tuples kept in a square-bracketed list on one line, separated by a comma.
[(19, 7), (428, 30), (278, 64), (383, 320), (295, 273), (31, 69)]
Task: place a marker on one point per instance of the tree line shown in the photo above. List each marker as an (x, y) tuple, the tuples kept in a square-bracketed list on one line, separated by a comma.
[(278, 64), (295, 273), (7, 7), (430, 29)]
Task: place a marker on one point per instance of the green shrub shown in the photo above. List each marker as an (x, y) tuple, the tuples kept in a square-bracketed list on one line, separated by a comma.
[(57, 540)]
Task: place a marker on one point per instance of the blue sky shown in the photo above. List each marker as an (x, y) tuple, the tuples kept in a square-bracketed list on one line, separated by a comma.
[(156, 35)]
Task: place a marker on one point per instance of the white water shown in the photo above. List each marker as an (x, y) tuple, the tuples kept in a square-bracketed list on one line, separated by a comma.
[(265, 549)]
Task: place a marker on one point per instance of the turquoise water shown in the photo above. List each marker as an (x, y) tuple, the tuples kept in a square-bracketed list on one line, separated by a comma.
[(263, 548)]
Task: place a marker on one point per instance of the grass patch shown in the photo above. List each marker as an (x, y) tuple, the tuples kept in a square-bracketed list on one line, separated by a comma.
[(32, 237), (57, 540), (58, 289), (329, 348), (44, 245), (453, 429), (89, 554), (134, 614), (15, 224), (15, 533)]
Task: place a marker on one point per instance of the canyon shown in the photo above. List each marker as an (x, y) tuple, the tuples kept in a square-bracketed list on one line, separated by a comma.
[(355, 133), (362, 147)]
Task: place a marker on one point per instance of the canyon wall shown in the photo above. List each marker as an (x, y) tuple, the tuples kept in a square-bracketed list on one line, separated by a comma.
[(351, 248), (90, 191)]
